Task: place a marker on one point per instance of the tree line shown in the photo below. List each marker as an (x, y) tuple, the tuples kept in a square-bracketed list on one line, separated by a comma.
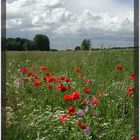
[(40, 42)]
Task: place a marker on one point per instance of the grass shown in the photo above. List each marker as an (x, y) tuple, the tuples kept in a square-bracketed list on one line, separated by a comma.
[(33, 112)]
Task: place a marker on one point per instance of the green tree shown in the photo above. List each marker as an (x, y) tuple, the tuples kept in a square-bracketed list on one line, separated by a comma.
[(86, 44), (42, 42), (77, 48)]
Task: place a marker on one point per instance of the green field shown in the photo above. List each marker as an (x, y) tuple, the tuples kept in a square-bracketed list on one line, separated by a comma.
[(33, 112)]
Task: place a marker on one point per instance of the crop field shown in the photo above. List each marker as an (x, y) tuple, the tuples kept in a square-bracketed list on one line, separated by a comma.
[(70, 95)]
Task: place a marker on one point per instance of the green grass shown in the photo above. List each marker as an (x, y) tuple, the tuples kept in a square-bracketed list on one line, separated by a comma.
[(33, 117)]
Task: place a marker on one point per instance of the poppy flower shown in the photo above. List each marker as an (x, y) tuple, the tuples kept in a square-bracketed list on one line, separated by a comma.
[(67, 97), (43, 68), (61, 88), (120, 67), (134, 138), (36, 77), (71, 110), (24, 70), (86, 90), (52, 79), (130, 90), (48, 73), (62, 78), (95, 101), (75, 95), (88, 82), (37, 83), (63, 118), (132, 76), (77, 69), (30, 74), (82, 125), (84, 102), (44, 78), (68, 80)]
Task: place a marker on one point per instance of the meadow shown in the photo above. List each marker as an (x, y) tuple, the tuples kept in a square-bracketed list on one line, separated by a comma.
[(73, 95)]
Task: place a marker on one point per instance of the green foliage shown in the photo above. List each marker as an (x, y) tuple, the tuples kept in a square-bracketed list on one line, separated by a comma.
[(19, 44), (42, 42), (77, 48), (86, 44)]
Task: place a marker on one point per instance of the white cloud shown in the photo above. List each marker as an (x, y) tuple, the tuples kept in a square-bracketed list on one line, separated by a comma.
[(112, 6), (40, 28), (54, 16), (96, 22), (39, 13), (13, 23), (70, 17)]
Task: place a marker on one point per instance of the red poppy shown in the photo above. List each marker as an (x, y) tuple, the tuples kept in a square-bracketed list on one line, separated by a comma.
[(130, 90), (24, 70), (77, 69), (71, 110), (63, 118), (86, 90), (61, 88), (62, 78), (30, 74), (95, 101), (132, 76), (68, 80), (82, 125), (52, 79), (84, 102), (48, 74), (67, 97), (134, 138), (36, 77), (43, 68), (37, 83), (88, 82), (75, 95), (120, 67), (44, 78)]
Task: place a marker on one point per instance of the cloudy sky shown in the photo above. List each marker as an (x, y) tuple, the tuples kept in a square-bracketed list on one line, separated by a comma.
[(68, 22)]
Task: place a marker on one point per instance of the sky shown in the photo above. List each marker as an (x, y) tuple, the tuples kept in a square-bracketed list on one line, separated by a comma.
[(68, 22)]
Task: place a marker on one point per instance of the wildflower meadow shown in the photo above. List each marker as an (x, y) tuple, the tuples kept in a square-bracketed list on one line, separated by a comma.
[(76, 95)]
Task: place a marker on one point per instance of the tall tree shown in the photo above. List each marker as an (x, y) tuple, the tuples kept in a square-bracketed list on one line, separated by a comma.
[(42, 42), (86, 44)]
